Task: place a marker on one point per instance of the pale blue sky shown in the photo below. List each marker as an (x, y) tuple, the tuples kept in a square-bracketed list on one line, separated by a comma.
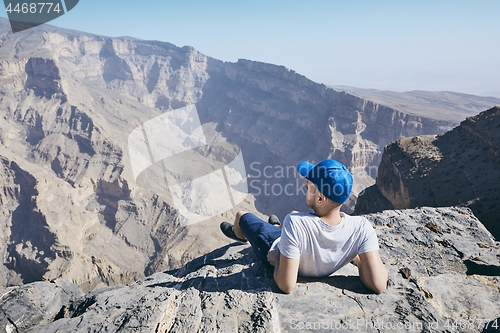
[(397, 45)]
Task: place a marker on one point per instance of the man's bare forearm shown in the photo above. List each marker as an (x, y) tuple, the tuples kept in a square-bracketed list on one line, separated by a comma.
[(285, 273), (372, 272), (376, 282)]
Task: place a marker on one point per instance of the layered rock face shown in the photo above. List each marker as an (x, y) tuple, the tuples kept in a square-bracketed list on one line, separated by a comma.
[(72, 206), (443, 277), (460, 167)]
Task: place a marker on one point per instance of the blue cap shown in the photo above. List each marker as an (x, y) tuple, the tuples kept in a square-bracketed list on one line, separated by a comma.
[(332, 178)]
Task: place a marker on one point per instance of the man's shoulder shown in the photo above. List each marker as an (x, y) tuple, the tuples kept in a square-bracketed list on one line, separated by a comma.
[(356, 218), (357, 221), (301, 216)]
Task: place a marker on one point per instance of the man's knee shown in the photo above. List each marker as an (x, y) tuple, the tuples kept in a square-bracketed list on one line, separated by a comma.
[(239, 215)]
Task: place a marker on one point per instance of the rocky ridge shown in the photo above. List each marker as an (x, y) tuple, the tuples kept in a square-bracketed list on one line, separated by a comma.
[(443, 105), (459, 167), (69, 100), (443, 265)]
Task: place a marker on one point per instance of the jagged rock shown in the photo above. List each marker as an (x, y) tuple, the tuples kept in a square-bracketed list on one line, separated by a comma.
[(460, 167), (69, 101), (228, 290), (35, 305)]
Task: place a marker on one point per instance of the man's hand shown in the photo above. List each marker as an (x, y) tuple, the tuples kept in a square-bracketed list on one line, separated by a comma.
[(273, 256)]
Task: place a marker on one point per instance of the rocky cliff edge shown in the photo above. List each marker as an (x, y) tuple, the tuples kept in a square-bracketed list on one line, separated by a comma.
[(443, 265)]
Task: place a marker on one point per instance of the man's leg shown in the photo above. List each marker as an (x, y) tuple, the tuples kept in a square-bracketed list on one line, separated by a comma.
[(259, 233), (237, 229)]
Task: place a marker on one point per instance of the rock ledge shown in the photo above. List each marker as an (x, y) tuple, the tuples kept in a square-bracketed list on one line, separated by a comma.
[(443, 269)]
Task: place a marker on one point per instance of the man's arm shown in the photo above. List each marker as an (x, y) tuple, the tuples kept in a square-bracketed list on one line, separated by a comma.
[(372, 271), (285, 270)]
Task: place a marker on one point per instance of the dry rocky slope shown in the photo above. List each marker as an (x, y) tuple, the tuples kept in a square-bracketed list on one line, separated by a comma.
[(443, 277), (460, 167), (70, 206)]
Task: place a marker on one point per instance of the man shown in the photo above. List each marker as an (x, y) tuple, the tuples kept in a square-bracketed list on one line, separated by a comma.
[(319, 243)]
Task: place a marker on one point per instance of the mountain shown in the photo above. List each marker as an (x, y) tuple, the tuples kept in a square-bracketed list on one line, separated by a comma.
[(459, 167), (440, 263), (103, 143), (441, 105)]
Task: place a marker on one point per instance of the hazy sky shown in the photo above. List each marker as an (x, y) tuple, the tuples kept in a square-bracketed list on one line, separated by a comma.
[(395, 45)]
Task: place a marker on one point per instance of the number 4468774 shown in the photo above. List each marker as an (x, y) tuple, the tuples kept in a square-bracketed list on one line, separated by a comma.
[(493, 324), (33, 8)]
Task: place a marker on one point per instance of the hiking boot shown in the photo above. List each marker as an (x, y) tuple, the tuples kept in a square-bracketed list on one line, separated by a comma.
[(228, 230), (274, 220)]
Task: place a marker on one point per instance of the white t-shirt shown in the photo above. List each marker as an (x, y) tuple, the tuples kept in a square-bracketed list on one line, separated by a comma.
[(321, 248)]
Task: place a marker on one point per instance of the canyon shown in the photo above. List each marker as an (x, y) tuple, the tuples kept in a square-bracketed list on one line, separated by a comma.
[(72, 206)]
